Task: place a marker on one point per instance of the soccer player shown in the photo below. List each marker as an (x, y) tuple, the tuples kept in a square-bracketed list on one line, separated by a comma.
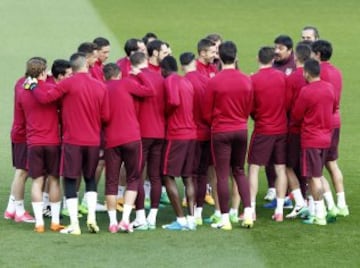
[(322, 50), (314, 109), (227, 105), (297, 183), (15, 209), (60, 70), (103, 51), (217, 39), (90, 50), (206, 54), (43, 139), (132, 45), (151, 116), (123, 144), (84, 110), (157, 50), (268, 141), (283, 61), (310, 33), (202, 153), (180, 142)]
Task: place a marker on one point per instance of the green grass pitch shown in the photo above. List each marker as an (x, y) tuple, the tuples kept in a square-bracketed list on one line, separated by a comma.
[(53, 29)]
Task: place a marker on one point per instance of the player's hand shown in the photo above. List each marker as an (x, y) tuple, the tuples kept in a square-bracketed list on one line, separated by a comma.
[(30, 83)]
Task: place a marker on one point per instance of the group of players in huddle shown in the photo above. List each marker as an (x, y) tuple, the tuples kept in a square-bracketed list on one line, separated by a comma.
[(140, 119)]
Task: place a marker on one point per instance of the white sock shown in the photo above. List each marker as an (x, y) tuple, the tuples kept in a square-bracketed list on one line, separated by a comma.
[(320, 210), (151, 218), (84, 199), (126, 213), (112, 217), (253, 206), (273, 190), (329, 200), (55, 212), (64, 203), (225, 218), (299, 199), (279, 206), (341, 203), (233, 211), (217, 213), (181, 220), (311, 205), (37, 208), (91, 199), (147, 188), (163, 189), (140, 216), (198, 212), (190, 219), (208, 188), (121, 191), (19, 207), (11, 204), (46, 199), (248, 213), (72, 205)]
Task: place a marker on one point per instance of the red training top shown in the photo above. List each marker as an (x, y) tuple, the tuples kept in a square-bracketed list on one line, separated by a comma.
[(269, 110), (199, 82), (18, 129), (206, 69), (228, 101), (331, 74), (125, 66), (96, 71), (85, 107), (314, 108), (42, 120), (179, 108), (123, 125)]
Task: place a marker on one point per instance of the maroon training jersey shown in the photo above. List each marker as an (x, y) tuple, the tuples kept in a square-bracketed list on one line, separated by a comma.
[(294, 83), (179, 95), (96, 71), (42, 120), (331, 74), (85, 107), (314, 108), (287, 66), (228, 101), (152, 110), (125, 66), (269, 110), (206, 69), (123, 125), (199, 82), (155, 68), (18, 129)]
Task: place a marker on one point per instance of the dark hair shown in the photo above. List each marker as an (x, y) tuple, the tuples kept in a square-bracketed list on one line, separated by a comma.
[(266, 55), (154, 45), (111, 70), (284, 40), (314, 29), (302, 52), (101, 42), (137, 58), (204, 44), (227, 52), (169, 64), (87, 48), (324, 48), (59, 67), (214, 37), (312, 67), (131, 46), (148, 36), (77, 60), (186, 58)]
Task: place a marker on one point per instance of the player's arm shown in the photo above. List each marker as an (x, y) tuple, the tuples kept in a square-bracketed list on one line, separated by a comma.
[(299, 109), (143, 89), (172, 95), (209, 102), (105, 108), (19, 124), (45, 93)]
